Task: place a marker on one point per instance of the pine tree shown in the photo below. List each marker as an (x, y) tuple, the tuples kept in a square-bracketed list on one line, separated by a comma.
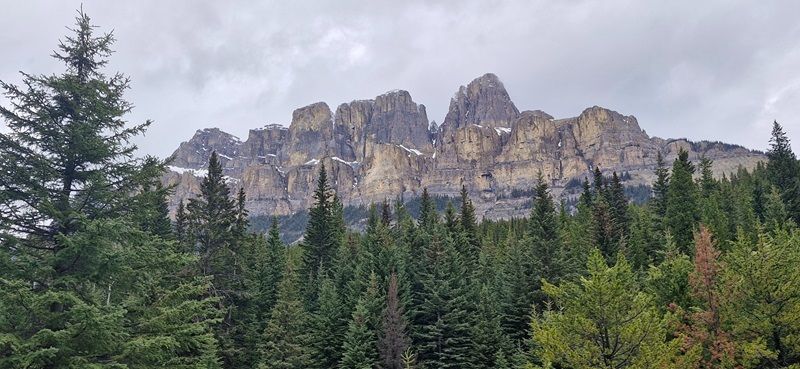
[(763, 315), (85, 281), (681, 214), (393, 340), (604, 321), (706, 342)]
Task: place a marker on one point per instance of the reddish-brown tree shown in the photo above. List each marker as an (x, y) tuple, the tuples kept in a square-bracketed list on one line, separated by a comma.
[(393, 340)]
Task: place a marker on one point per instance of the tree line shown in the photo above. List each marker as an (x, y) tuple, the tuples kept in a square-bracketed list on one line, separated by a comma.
[(94, 273)]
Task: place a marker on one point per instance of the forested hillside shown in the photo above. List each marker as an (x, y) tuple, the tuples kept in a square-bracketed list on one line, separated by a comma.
[(95, 274)]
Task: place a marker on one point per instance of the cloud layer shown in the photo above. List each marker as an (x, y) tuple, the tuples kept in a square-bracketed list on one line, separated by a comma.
[(720, 70)]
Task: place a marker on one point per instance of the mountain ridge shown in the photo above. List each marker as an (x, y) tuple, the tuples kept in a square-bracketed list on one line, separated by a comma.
[(386, 147)]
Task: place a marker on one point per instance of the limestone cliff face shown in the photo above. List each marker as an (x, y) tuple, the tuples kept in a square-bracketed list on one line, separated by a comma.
[(383, 148)]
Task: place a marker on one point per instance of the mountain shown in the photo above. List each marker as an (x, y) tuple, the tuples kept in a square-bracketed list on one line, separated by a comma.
[(385, 147)]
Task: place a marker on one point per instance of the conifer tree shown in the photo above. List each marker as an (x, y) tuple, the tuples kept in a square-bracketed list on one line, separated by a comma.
[(359, 348), (618, 205), (783, 171), (763, 317), (427, 214), (221, 250), (660, 187), (681, 213), (543, 234), (706, 342), (84, 279), (442, 335), (469, 225), (181, 223), (285, 337), (326, 326), (451, 221), (393, 339), (668, 282), (323, 235), (604, 321), (386, 213)]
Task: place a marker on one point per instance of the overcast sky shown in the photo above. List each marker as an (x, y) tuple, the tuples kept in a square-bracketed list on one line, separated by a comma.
[(720, 70)]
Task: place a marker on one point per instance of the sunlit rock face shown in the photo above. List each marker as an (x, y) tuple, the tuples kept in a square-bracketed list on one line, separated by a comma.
[(384, 148)]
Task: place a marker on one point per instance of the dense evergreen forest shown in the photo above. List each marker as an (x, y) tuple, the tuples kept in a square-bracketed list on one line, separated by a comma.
[(95, 274)]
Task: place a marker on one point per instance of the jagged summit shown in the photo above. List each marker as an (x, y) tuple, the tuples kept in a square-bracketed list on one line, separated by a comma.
[(384, 147)]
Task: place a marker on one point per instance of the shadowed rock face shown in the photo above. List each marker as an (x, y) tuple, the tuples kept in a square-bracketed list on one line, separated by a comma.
[(383, 148)]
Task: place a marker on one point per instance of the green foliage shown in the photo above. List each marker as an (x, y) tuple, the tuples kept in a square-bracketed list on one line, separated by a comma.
[(604, 321), (763, 309), (681, 210), (90, 277)]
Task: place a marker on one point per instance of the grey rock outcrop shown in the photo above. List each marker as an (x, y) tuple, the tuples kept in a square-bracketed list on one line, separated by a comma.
[(383, 148)]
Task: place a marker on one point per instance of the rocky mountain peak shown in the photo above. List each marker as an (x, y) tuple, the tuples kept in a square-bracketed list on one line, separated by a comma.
[(194, 154), (382, 148), (314, 117), (484, 101)]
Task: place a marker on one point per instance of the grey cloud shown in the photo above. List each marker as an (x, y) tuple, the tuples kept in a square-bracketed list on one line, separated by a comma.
[(704, 70)]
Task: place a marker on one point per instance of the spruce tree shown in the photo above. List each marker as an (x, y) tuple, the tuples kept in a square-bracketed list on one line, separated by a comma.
[(427, 214), (181, 223), (660, 187), (326, 325), (783, 170), (323, 235), (89, 277), (441, 317), (359, 348), (543, 234), (285, 336), (221, 250), (681, 214)]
